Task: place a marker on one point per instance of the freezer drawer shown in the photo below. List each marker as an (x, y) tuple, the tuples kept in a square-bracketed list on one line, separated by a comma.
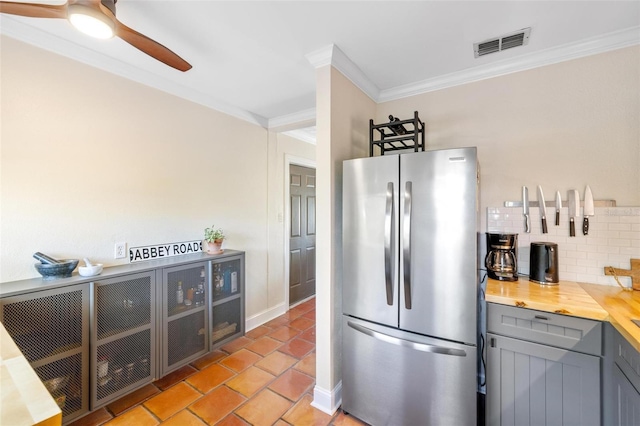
[(391, 377)]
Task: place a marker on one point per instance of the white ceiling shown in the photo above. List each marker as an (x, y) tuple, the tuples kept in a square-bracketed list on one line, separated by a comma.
[(253, 59)]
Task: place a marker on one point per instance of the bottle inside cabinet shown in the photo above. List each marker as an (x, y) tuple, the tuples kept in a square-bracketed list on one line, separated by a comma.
[(179, 294), (226, 279), (199, 295), (217, 280), (185, 289)]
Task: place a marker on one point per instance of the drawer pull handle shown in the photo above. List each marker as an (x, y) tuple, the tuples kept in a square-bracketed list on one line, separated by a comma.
[(540, 317)]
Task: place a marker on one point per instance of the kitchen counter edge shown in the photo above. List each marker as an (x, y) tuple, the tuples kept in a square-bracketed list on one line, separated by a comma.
[(24, 400)]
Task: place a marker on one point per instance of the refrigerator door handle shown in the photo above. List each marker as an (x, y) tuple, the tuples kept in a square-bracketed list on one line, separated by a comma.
[(406, 251), (388, 238), (418, 346)]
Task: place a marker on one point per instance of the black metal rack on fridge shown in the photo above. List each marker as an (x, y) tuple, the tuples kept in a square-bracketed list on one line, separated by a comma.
[(397, 135)]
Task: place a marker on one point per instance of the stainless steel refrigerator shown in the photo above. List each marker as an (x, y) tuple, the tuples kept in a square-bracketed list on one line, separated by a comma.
[(410, 288)]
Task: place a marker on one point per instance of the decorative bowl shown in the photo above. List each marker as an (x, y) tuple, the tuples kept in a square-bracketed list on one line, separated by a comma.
[(50, 271), (90, 271)]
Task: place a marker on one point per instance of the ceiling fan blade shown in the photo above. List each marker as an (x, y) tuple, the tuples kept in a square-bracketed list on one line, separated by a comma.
[(151, 47), (34, 10)]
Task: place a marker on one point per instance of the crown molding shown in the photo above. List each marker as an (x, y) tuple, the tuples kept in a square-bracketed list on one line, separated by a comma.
[(321, 57), (298, 119), (41, 39), (332, 55), (328, 55), (591, 46), (305, 135)]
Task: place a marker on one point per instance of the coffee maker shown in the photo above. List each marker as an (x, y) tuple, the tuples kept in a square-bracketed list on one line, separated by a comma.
[(502, 256)]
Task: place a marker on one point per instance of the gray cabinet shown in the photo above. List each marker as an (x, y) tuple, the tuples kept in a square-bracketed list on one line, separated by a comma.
[(540, 381), (51, 328), (621, 381), (227, 300), (627, 400), (93, 340), (184, 314), (123, 335), (533, 384)]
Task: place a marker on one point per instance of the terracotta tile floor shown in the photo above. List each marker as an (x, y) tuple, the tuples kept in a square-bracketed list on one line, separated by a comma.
[(263, 378)]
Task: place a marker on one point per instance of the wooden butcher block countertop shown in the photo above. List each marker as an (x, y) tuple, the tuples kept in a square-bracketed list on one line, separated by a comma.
[(24, 399), (591, 301)]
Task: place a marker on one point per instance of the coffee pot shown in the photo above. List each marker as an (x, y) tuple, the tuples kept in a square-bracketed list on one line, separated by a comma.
[(502, 260)]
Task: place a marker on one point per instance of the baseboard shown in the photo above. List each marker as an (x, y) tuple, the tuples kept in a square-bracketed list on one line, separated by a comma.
[(302, 301), (327, 401), (265, 316)]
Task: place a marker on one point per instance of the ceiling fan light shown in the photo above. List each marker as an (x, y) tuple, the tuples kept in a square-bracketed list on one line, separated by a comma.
[(91, 22)]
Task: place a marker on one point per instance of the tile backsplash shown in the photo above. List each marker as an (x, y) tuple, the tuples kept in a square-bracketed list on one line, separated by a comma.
[(614, 238)]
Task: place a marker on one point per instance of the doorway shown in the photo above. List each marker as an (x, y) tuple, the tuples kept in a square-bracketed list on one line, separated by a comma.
[(302, 233)]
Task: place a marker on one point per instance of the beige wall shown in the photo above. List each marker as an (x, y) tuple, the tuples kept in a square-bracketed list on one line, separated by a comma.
[(89, 158), (343, 113), (561, 126)]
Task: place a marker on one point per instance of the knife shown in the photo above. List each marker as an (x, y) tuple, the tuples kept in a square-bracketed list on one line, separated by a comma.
[(574, 201), (543, 209), (525, 209), (588, 210), (558, 207)]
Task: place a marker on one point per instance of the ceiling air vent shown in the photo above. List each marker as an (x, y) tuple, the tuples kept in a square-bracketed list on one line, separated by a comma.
[(507, 41)]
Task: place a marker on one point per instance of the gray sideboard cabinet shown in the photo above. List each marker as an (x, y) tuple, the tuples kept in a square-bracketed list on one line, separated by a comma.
[(51, 328), (185, 316), (227, 299), (106, 336), (542, 368), (123, 335)]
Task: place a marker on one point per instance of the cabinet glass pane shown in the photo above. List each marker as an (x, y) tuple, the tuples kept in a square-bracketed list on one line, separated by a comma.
[(185, 337), (226, 278), (63, 380), (122, 362), (185, 290), (45, 326), (226, 320), (123, 306)]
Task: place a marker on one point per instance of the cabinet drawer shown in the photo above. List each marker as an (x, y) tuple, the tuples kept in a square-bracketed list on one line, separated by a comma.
[(628, 359), (576, 334)]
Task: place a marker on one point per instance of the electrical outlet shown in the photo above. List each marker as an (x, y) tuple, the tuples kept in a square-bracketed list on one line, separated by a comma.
[(120, 250)]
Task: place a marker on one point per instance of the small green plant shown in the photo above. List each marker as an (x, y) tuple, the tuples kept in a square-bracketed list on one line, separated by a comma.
[(212, 234)]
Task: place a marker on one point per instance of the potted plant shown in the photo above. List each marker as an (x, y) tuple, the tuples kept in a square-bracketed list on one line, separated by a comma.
[(214, 237)]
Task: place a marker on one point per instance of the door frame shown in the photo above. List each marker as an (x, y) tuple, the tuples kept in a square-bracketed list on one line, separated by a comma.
[(290, 160)]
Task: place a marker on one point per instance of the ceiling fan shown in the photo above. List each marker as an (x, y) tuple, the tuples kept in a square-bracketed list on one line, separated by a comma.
[(97, 18)]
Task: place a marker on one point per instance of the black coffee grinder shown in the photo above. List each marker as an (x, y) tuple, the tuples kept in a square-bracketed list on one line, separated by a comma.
[(502, 256)]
